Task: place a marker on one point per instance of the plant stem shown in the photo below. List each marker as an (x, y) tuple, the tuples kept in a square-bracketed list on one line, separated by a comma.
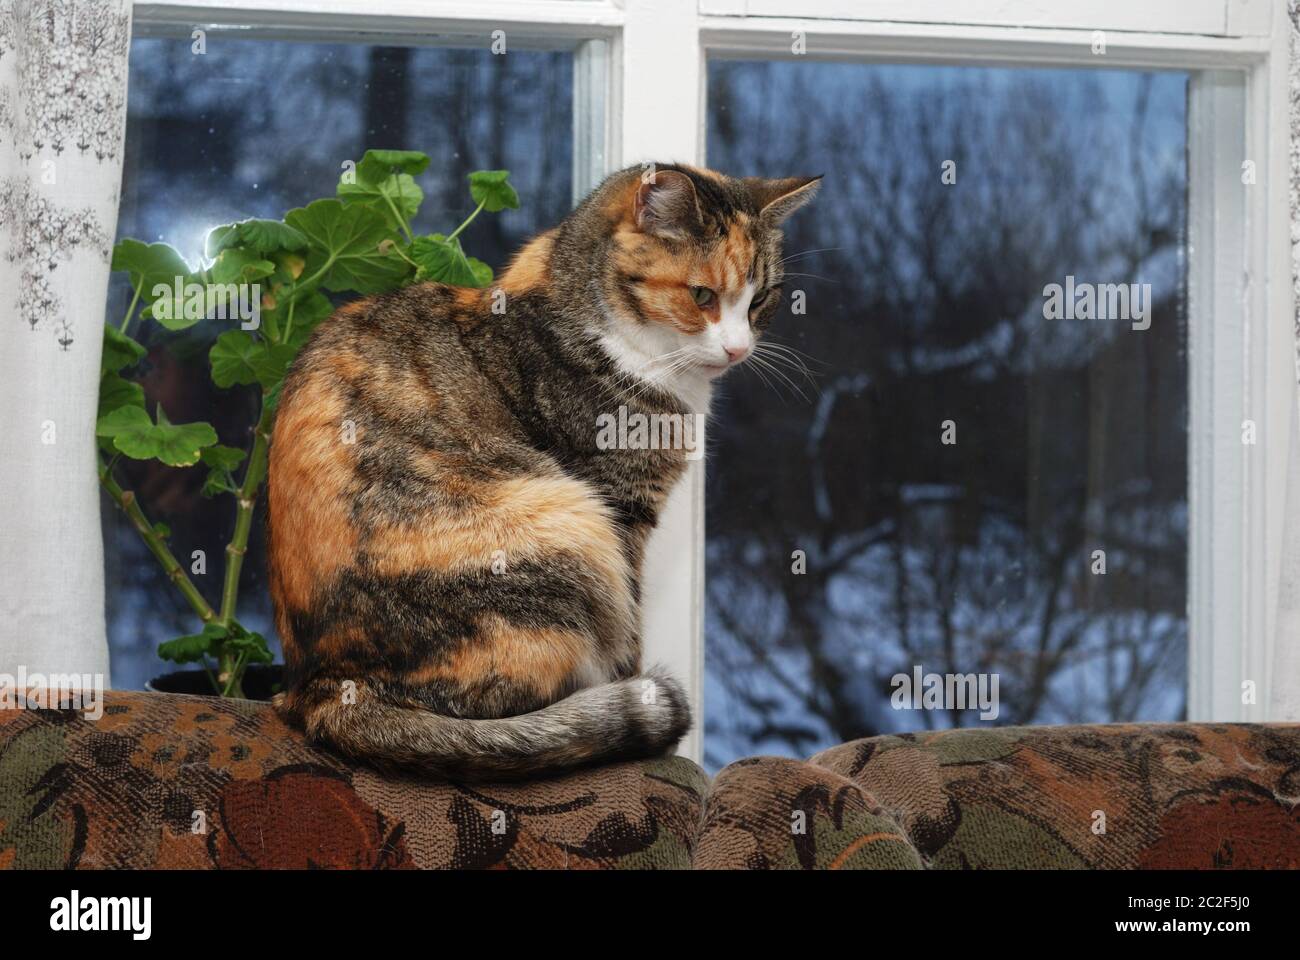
[(131, 309), (126, 501), (230, 667), (468, 220), (397, 214), (398, 250), (311, 281), (288, 321), (235, 686)]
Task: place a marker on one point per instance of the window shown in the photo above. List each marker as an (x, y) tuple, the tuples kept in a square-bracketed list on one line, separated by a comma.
[(252, 128), (965, 483), (1148, 423)]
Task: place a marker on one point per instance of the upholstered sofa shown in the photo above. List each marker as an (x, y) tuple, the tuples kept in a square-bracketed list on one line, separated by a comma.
[(163, 780)]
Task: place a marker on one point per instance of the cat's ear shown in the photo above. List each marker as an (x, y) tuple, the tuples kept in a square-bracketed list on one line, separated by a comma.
[(666, 205), (780, 197)]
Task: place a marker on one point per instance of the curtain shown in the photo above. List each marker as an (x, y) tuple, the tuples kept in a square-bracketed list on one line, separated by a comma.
[(63, 74)]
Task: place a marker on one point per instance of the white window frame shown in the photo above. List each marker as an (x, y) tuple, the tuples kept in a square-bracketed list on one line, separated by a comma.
[(640, 77)]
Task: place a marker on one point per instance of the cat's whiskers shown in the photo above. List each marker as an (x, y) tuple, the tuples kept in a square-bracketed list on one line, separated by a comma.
[(661, 378), (766, 361), (780, 345), (758, 372), (784, 363), (807, 253), (793, 359), (814, 276), (631, 385), (623, 379)]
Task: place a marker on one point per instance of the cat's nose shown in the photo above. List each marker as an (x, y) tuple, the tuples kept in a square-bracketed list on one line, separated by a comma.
[(736, 353)]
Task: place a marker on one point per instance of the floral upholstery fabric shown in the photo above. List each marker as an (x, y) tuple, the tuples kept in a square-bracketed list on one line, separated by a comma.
[(165, 781), (1192, 796), (768, 813)]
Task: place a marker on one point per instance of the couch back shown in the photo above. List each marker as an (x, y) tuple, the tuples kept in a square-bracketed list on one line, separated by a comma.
[(170, 781)]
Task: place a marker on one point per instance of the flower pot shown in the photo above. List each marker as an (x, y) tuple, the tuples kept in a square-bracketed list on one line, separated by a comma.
[(259, 682)]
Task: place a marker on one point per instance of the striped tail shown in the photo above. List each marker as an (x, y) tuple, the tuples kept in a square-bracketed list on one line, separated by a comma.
[(625, 720)]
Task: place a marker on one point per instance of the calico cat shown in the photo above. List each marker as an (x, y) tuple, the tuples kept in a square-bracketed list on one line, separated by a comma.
[(454, 561)]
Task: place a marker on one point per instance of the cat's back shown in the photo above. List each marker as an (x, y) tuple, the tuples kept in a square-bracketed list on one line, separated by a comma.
[(400, 474), (415, 328), (383, 406)]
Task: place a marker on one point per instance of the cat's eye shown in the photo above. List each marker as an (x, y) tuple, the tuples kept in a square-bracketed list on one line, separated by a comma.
[(761, 297), (702, 296)]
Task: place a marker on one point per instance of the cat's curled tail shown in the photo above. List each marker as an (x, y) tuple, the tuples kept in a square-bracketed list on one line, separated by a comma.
[(639, 717)]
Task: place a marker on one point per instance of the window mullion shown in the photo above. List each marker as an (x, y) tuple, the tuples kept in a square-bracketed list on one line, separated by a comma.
[(660, 119)]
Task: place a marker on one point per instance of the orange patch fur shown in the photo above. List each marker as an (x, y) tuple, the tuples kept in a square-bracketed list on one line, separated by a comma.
[(311, 533), (620, 207), (467, 297), (542, 659), (664, 288), (523, 517), (354, 308), (528, 269)]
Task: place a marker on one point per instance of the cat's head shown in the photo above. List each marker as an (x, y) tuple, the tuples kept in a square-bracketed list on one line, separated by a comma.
[(694, 276)]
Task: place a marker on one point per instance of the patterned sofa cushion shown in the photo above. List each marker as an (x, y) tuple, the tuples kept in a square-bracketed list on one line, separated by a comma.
[(196, 782), (770, 813), (1114, 796)]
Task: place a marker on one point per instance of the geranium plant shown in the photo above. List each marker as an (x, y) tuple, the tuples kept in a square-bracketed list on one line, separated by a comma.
[(263, 288)]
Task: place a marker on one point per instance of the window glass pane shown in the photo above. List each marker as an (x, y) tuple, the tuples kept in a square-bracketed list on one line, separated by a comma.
[(253, 128), (965, 453)]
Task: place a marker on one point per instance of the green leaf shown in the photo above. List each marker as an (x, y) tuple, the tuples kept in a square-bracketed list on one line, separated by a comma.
[(443, 260), (116, 391), (235, 265), (121, 421), (222, 457), (233, 357), (399, 190), (239, 359), (221, 460), (137, 436), (378, 164), (383, 181), (261, 237), (180, 444), (119, 351), (194, 647), (272, 363), (345, 247), (217, 481), (307, 316), (149, 264), (162, 530), (252, 645), (492, 189), (272, 399), (288, 269), (171, 312)]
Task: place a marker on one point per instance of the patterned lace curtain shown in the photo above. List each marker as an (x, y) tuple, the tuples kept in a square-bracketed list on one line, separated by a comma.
[(63, 74)]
